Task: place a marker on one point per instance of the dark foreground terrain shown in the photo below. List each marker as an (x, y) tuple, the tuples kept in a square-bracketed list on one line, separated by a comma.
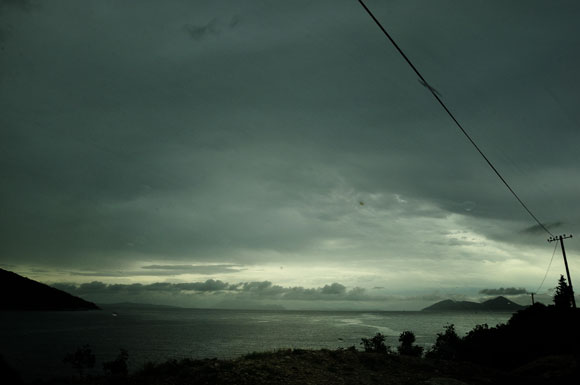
[(338, 367), (352, 367)]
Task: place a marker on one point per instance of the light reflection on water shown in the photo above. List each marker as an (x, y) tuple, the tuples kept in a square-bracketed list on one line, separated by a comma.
[(35, 342)]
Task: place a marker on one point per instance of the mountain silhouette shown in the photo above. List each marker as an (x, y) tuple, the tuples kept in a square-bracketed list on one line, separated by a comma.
[(496, 304), (21, 293), (501, 304)]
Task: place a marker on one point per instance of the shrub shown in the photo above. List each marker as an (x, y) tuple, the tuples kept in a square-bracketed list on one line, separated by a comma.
[(407, 338), (83, 358), (375, 344), (448, 344), (8, 374), (117, 367)]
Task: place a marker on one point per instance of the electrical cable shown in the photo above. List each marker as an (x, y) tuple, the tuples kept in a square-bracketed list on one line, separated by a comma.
[(548, 269), (436, 96)]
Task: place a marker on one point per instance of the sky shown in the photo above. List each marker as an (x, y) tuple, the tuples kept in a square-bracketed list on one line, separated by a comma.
[(284, 155)]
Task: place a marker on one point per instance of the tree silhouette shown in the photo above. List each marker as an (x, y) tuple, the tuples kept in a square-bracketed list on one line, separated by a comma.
[(83, 358), (563, 295), (447, 345), (375, 344), (117, 367), (407, 338)]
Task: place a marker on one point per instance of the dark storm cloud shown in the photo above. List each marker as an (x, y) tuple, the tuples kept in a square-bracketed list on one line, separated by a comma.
[(537, 229), (16, 4), (10, 6), (258, 294), (234, 21), (208, 286), (334, 291), (335, 288), (198, 32), (212, 28), (122, 140), (513, 151), (504, 291), (253, 290)]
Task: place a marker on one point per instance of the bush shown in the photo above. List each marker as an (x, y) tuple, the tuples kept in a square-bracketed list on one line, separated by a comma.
[(534, 332), (117, 367), (83, 358), (375, 344), (8, 374), (407, 338), (447, 346)]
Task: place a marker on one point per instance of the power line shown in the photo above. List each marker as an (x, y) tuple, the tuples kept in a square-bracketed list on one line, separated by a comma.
[(548, 269), (436, 96)]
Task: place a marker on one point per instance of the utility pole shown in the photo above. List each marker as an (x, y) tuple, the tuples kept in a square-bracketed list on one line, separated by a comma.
[(533, 303), (561, 239)]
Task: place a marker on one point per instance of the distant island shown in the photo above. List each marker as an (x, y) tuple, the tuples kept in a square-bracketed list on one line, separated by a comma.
[(21, 293), (496, 304)]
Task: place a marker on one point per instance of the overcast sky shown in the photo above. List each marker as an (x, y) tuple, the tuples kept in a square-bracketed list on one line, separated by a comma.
[(285, 152)]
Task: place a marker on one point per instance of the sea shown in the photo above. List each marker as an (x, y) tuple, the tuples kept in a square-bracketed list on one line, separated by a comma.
[(35, 343)]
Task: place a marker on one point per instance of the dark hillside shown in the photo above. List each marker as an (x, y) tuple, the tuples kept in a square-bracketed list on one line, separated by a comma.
[(535, 333), (20, 293)]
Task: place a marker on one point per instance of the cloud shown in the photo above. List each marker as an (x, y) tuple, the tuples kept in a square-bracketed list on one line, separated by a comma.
[(24, 5), (210, 285), (537, 229), (166, 270), (213, 293), (504, 291), (234, 21), (335, 288), (246, 290), (199, 32), (8, 26), (125, 144), (192, 269)]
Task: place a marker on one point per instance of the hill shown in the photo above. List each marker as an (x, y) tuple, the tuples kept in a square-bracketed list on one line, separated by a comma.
[(496, 304), (21, 293), (500, 304)]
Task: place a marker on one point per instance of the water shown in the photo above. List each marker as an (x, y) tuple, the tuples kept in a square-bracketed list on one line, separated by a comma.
[(35, 342)]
